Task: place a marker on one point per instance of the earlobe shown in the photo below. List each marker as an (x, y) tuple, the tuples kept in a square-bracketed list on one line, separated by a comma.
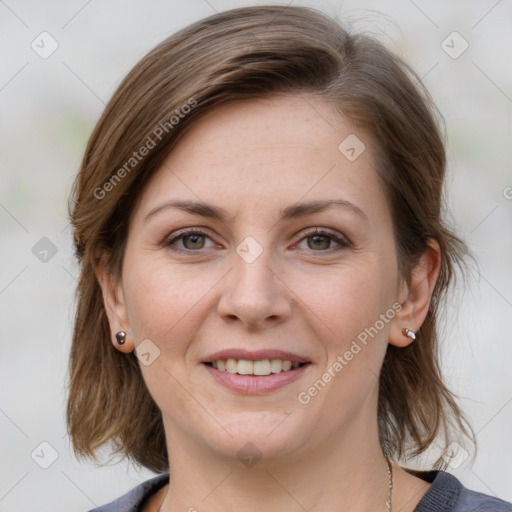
[(113, 301), (415, 297)]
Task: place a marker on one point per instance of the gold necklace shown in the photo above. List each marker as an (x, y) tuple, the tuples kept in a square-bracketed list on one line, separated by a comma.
[(388, 502), (390, 476)]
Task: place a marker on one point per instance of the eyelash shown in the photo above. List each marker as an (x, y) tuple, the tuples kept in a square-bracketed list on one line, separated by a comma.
[(343, 242)]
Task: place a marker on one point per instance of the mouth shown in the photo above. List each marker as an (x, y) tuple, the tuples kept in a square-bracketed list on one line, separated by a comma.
[(255, 373), (261, 367)]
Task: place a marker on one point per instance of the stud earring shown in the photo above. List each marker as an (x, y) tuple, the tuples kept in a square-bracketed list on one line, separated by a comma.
[(409, 334), (120, 337)]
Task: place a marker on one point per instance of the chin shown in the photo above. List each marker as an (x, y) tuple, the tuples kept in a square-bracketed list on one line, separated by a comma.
[(252, 438)]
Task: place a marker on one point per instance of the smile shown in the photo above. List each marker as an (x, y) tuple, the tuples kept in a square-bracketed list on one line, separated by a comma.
[(261, 367), (248, 377)]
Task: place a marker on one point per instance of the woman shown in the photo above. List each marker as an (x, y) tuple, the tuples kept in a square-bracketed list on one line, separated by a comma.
[(257, 220)]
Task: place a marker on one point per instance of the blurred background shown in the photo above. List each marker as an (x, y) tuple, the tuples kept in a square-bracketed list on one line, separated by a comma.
[(60, 63)]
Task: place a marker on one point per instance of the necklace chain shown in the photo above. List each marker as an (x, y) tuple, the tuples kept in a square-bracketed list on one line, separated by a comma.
[(388, 502), (390, 476)]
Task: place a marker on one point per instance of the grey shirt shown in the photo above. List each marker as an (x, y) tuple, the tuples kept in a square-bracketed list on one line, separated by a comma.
[(446, 494)]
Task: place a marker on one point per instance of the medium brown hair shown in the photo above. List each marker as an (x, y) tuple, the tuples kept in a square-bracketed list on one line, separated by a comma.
[(234, 56)]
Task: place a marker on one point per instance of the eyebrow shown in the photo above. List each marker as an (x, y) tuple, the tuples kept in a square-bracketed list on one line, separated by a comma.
[(290, 212)]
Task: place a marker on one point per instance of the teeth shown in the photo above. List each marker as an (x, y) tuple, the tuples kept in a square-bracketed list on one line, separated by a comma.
[(276, 365), (231, 365), (246, 367), (262, 367)]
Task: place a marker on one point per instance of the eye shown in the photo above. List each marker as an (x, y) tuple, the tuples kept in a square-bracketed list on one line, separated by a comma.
[(192, 239), (318, 240), (321, 239)]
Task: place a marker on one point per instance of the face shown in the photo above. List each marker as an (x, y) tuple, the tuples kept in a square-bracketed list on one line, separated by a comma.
[(282, 250)]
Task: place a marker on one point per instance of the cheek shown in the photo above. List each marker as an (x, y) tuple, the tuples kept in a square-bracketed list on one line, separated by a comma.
[(347, 313), (162, 299), (348, 298), (353, 311), (165, 305)]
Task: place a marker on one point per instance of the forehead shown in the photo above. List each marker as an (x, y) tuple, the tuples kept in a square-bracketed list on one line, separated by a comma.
[(261, 153), (282, 128)]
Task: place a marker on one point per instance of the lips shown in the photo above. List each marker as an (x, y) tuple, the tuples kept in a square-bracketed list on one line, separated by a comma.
[(262, 362), (257, 372)]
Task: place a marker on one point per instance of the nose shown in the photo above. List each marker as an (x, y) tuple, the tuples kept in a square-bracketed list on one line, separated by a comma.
[(254, 293)]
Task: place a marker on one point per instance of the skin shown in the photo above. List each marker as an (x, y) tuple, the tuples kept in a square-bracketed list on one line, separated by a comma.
[(254, 159)]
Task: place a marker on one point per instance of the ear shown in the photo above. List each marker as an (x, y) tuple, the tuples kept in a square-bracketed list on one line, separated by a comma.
[(113, 299), (415, 297)]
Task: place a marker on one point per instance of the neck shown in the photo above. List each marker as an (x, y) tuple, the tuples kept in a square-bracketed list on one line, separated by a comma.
[(348, 473)]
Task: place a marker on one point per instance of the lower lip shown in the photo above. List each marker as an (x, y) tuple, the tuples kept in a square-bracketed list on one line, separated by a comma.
[(256, 384)]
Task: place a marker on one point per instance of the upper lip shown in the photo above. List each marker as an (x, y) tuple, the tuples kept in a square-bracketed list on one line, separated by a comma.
[(256, 355)]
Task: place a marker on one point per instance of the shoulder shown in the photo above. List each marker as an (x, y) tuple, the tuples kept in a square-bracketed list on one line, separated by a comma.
[(133, 500), (477, 502), (447, 494)]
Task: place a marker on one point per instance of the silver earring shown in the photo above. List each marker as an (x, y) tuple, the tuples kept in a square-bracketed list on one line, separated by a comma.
[(120, 337), (409, 334)]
